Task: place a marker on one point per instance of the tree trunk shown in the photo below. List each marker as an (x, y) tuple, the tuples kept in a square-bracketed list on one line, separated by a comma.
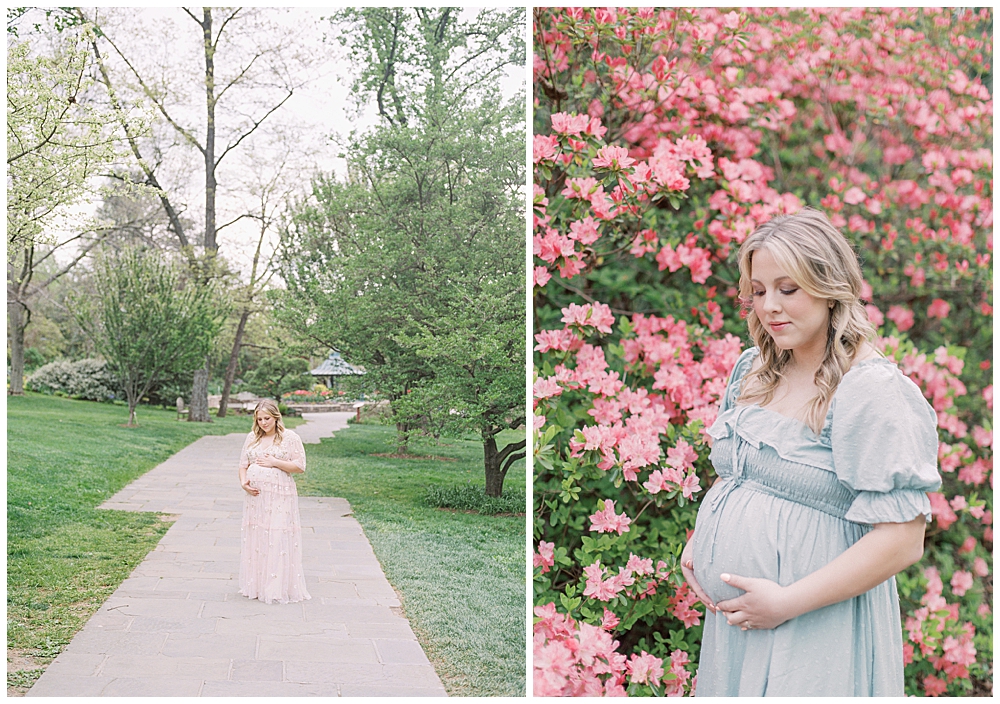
[(131, 413), (16, 314), (491, 458), (210, 184), (199, 396), (199, 385), (497, 463), (227, 383), (402, 438)]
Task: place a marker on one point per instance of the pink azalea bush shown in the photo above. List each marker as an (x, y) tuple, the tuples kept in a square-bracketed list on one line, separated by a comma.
[(663, 138)]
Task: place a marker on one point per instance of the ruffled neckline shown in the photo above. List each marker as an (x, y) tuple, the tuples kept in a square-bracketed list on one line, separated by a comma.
[(790, 437), (829, 413)]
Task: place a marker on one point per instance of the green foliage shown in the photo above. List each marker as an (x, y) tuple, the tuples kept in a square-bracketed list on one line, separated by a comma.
[(147, 320), (33, 359), (87, 379), (460, 576), (406, 57), (472, 497), (414, 265), (58, 136), (278, 374)]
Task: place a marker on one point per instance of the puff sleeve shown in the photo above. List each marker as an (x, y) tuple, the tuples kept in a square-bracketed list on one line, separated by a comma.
[(293, 446), (244, 457), (884, 442)]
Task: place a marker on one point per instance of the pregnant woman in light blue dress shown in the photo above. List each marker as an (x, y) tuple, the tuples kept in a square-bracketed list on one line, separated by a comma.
[(825, 452)]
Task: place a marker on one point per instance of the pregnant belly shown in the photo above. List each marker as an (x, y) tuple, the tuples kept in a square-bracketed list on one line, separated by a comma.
[(266, 475), (753, 534), (740, 538)]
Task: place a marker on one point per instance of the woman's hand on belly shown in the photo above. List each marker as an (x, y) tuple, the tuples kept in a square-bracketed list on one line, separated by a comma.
[(762, 606), (687, 569)]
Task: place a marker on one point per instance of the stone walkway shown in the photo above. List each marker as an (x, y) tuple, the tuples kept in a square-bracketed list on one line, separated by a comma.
[(177, 627)]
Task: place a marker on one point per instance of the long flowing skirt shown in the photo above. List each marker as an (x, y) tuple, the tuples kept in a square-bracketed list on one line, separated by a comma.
[(271, 545)]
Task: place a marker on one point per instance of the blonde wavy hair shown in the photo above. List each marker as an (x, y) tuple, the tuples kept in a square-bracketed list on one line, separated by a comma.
[(271, 408), (821, 262)]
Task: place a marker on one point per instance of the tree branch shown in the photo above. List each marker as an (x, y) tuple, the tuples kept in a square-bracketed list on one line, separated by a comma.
[(250, 131), (149, 93)]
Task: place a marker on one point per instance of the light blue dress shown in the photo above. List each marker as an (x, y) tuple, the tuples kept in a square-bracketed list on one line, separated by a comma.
[(787, 503)]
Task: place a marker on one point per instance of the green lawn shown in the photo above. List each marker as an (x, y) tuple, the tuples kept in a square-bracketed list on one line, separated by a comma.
[(65, 557), (461, 575)]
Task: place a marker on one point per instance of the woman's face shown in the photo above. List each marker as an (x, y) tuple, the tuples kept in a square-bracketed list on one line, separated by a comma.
[(265, 422), (795, 320)]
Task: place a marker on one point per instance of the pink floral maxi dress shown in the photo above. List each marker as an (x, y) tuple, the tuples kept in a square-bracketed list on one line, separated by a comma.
[(271, 537)]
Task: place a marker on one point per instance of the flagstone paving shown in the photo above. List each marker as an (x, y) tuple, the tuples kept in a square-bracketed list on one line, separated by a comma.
[(178, 627)]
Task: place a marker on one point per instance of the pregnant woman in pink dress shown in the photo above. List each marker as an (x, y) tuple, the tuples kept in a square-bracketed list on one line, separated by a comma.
[(271, 547)]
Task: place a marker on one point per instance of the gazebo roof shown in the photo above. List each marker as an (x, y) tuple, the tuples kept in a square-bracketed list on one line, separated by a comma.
[(335, 365)]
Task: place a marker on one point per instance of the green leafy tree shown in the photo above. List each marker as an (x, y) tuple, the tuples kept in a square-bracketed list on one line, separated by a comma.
[(59, 135), (279, 374), (414, 266), (147, 321)]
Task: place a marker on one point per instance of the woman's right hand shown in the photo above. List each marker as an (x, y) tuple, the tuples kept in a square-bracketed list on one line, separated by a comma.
[(687, 569), (250, 488)]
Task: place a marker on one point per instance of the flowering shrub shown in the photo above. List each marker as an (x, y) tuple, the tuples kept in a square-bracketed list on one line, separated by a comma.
[(88, 379), (317, 394), (662, 139)]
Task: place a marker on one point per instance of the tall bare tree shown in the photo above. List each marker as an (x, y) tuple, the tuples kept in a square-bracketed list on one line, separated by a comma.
[(262, 70), (273, 189)]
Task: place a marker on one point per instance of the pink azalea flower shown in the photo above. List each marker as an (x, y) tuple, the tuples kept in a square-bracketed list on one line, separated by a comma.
[(690, 486), (541, 275), (597, 587), (681, 456), (968, 546), (545, 388), (544, 147), (569, 124), (607, 521), (980, 567), (609, 621), (982, 436), (584, 231), (612, 157), (875, 315), (961, 581), (854, 196), (597, 315), (933, 687), (544, 558), (960, 651), (645, 669), (938, 309), (941, 510), (638, 565)]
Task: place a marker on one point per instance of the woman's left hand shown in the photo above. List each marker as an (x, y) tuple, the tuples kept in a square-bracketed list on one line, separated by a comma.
[(762, 607), (266, 461)]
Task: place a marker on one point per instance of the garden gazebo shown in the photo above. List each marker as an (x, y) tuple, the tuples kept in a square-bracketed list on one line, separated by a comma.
[(334, 367)]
